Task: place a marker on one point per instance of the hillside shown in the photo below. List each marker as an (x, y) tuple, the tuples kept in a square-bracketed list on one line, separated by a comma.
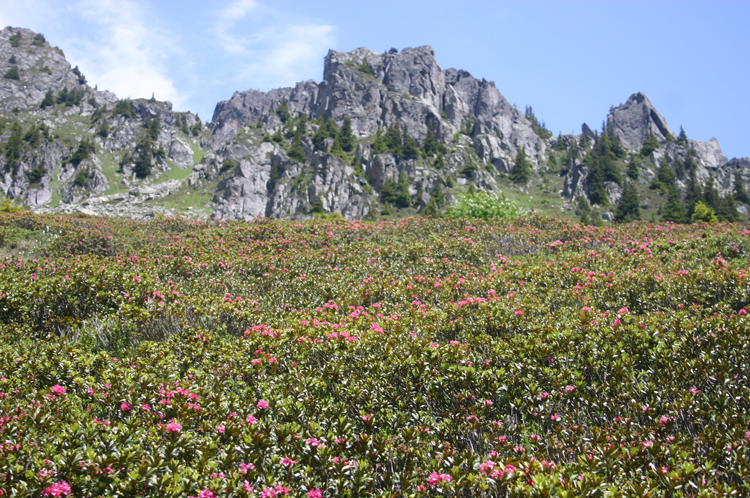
[(381, 136)]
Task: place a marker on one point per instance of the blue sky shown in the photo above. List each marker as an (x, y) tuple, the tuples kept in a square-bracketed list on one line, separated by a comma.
[(570, 60)]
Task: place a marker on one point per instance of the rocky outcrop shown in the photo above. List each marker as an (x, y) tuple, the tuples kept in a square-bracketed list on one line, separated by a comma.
[(634, 120)]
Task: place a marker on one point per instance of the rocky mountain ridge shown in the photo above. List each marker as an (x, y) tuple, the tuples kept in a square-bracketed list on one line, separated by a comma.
[(381, 135)]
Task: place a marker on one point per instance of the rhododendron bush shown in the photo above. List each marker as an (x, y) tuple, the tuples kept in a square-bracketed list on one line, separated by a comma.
[(418, 357)]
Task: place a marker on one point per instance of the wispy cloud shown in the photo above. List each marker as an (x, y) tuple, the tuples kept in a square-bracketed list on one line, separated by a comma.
[(268, 49), (126, 55)]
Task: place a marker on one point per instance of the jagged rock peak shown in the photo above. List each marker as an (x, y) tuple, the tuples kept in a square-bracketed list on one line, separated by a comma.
[(634, 120)]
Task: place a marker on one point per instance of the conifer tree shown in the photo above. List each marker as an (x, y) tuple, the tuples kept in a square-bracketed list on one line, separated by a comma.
[(521, 172), (628, 209), (682, 138), (410, 148), (393, 140), (345, 135), (740, 193), (403, 198), (378, 144), (693, 195), (650, 144), (13, 146), (674, 210)]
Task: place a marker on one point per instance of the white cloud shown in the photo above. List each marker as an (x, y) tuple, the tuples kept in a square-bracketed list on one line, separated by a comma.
[(125, 55), (267, 49)]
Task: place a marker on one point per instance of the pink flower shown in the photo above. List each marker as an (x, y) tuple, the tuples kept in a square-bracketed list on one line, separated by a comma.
[(288, 462), (519, 313), (174, 427), (206, 493), (145, 407), (244, 467), (247, 487), (623, 311), (743, 311), (315, 493), (61, 488), (488, 402), (436, 478), (251, 420), (555, 418), (125, 406), (262, 404), (421, 488), (221, 429), (569, 389), (487, 467), (58, 389)]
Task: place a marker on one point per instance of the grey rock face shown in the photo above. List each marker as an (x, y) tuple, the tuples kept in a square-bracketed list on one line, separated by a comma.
[(181, 153), (632, 121)]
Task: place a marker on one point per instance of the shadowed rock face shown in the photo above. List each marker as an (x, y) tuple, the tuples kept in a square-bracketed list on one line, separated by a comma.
[(632, 121)]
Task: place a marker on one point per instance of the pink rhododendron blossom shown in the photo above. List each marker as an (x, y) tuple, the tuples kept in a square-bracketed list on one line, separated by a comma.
[(174, 427), (288, 462), (125, 406), (58, 389), (251, 420), (61, 488), (315, 493), (436, 478), (262, 404)]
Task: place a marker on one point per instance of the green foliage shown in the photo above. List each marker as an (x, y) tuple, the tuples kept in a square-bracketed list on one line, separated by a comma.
[(152, 124), (15, 39), (433, 146), (6, 206), (403, 198), (317, 206), (277, 137), (539, 128), (740, 193), (13, 146), (69, 98), (628, 208), (327, 130), (650, 144), (228, 165), (560, 143), (345, 136), (393, 51), (365, 68), (409, 146), (634, 171), (80, 77), (408, 358), (484, 205), (197, 127), (35, 175), (39, 40), (48, 100), (439, 162), (124, 107), (296, 153), (12, 74), (665, 177), (521, 172), (703, 214), (393, 140), (467, 126), (469, 170), (103, 130), (80, 178), (602, 168), (35, 135), (282, 110), (674, 209), (83, 152), (682, 138), (378, 143), (266, 138), (144, 158)]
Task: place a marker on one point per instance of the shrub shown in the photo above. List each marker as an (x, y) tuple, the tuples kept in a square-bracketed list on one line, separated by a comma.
[(12, 74), (485, 206)]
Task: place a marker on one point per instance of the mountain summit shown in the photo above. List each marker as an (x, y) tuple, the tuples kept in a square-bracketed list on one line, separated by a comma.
[(382, 135)]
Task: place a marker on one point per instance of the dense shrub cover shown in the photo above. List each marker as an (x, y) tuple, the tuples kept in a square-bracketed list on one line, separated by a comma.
[(417, 357)]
